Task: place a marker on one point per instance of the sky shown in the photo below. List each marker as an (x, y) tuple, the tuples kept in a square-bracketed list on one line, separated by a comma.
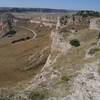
[(57, 4)]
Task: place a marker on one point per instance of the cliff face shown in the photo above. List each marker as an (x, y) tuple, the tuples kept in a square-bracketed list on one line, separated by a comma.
[(58, 42)]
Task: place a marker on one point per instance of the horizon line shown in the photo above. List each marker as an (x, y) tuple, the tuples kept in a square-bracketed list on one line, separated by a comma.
[(50, 8)]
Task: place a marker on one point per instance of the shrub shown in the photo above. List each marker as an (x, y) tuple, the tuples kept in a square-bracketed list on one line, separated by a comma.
[(65, 78), (94, 50), (38, 95), (22, 39), (99, 36), (10, 33), (75, 43), (63, 20), (99, 68)]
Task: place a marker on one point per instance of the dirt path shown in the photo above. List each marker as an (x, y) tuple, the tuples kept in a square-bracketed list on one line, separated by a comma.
[(33, 32)]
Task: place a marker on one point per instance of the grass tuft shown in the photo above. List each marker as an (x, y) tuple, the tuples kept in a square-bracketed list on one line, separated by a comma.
[(38, 95)]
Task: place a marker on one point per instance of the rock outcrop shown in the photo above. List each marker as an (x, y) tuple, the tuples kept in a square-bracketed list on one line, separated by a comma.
[(93, 24), (59, 47)]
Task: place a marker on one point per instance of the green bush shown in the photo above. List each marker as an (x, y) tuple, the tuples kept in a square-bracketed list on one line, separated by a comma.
[(38, 95), (65, 78), (12, 32), (75, 43), (99, 36), (94, 50)]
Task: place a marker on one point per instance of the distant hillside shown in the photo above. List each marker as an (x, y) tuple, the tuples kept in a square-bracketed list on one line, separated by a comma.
[(87, 13), (44, 10)]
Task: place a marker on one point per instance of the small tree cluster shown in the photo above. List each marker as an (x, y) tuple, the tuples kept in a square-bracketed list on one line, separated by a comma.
[(63, 20), (86, 13)]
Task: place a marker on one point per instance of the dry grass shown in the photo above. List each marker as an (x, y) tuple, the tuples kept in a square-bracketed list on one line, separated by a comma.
[(14, 56), (74, 60)]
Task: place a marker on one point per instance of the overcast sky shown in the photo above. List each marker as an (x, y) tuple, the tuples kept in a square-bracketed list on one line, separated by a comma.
[(59, 4)]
